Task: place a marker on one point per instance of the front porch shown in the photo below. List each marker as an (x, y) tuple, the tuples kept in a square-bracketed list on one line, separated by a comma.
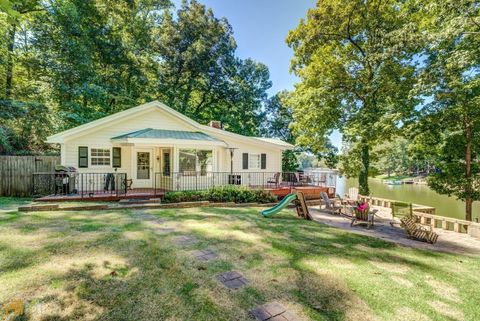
[(58, 187)]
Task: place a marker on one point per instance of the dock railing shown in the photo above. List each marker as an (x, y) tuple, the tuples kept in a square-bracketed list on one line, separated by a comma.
[(426, 215)]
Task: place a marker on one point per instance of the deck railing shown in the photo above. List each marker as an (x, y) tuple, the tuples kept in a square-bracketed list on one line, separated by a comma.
[(191, 181), (426, 215), (82, 184)]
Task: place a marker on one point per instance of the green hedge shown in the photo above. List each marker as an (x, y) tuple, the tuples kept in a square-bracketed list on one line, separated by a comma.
[(235, 194)]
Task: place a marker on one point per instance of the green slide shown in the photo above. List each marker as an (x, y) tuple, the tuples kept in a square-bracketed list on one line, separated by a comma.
[(277, 208)]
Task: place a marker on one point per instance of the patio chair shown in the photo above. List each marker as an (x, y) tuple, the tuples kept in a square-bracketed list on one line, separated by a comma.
[(364, 216), (418, 231), (330, 206), (399, 211), (352, 194), (275, 180)]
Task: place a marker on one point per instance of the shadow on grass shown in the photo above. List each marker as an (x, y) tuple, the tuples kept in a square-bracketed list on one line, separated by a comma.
[(159, 280)]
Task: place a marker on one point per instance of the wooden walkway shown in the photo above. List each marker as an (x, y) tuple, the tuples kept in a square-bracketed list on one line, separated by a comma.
[(448, 241)]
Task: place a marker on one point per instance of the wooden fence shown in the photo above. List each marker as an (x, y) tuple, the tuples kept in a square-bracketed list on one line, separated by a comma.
[(16, 173)]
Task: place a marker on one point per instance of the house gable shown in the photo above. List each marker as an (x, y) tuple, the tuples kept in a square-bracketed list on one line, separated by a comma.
[(151, 115)]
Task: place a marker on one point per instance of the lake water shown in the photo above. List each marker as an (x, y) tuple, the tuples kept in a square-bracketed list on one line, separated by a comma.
[(418, 194)]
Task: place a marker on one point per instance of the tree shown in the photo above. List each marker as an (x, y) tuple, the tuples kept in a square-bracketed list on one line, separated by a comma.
[(355, 67), (450, 77), (278, 117), (200, 76)]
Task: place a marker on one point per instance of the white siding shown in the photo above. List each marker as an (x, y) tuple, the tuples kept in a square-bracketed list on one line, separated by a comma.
[(101, 138)]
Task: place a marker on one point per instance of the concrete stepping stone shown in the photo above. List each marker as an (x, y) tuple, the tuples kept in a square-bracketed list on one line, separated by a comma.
[(186, 240), (273, 311), (232, 280), (204, 255)]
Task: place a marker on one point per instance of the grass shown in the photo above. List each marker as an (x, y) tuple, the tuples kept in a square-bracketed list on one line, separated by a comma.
[(111, 265)]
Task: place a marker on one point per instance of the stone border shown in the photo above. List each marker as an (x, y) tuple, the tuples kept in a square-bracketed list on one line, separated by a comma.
[(56, 207)]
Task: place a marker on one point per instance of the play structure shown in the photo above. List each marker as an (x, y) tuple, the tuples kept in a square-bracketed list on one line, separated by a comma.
[(298, 199)]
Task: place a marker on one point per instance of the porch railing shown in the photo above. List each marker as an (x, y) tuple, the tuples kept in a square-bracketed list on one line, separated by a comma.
[(81, 184), (188, 181)]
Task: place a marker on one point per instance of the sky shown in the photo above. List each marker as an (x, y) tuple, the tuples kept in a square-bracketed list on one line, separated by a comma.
[(260, 28)]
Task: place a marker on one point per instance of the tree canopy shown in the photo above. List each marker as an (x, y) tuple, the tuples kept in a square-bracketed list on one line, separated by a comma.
[(355, 66), (65, 63)]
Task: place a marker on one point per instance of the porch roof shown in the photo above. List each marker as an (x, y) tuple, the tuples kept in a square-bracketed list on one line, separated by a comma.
[(162, 134)]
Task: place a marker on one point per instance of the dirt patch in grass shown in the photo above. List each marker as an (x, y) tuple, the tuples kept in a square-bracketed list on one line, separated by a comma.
[(406, 313), (393, 267), (444, 290), (402, 281), (447, 310)]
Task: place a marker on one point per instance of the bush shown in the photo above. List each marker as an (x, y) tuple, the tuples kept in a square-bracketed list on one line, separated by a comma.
[(235, 194)]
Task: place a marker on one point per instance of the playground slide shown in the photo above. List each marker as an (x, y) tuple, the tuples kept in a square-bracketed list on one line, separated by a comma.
[(277, 208)]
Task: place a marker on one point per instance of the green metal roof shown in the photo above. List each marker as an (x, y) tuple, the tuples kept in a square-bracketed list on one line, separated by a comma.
[(168, 134)]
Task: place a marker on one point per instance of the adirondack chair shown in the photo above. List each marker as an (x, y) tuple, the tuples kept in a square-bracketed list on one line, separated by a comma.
[(362, 216), (352, 194), (418, 231), (330, 206), (399, 211)]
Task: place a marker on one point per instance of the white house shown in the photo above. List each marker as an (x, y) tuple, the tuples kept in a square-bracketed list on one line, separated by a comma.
[(154, 144)]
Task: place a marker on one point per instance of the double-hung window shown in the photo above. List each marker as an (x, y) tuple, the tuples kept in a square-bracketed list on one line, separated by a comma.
[(100, 156), (254, 161)]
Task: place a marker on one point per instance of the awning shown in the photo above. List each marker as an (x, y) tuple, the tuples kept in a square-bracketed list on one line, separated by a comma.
[(150, 135)]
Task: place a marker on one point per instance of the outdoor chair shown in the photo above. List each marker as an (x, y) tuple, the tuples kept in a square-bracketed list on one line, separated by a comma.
[(418, 231), (363, 216), (330, 206), (275, 180), (352, 194)]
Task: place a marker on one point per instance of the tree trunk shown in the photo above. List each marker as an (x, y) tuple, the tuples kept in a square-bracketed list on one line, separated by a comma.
[(10, 48), (468, 172), (363, 176)]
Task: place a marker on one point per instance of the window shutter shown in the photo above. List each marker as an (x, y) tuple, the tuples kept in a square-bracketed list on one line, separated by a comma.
[(117, 157), (82, 157), (245, 160), (263, 164)]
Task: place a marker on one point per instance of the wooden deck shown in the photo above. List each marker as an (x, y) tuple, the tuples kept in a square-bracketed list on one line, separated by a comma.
[(136, 193), (311, 192)]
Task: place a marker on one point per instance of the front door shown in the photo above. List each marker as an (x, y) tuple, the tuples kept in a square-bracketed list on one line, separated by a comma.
[(143, 168)]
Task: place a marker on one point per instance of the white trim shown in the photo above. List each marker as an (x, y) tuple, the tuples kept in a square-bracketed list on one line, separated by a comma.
[(131, 112), (168, 142), (250, 159), (143, 183), (90, 157)]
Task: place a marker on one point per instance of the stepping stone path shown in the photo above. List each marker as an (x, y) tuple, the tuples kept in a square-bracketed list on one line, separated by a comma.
[(204, 255), (273, 311), (232, 280), (186, 240)]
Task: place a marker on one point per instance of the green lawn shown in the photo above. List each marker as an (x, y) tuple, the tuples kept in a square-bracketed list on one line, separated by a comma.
[(113, 266)]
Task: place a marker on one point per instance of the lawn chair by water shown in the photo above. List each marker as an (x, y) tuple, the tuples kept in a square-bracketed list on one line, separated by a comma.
[(418, 231), (352, 194), (330, 206), (399, 211), (363, 216)]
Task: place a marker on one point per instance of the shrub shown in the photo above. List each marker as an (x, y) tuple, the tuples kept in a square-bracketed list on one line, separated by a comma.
[(237, 194)]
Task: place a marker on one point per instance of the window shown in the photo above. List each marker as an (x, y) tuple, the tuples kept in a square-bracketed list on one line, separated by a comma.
[(192, 161), (82, 157), (254, 161), (100, 156), (117, 157), (166, 163)]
